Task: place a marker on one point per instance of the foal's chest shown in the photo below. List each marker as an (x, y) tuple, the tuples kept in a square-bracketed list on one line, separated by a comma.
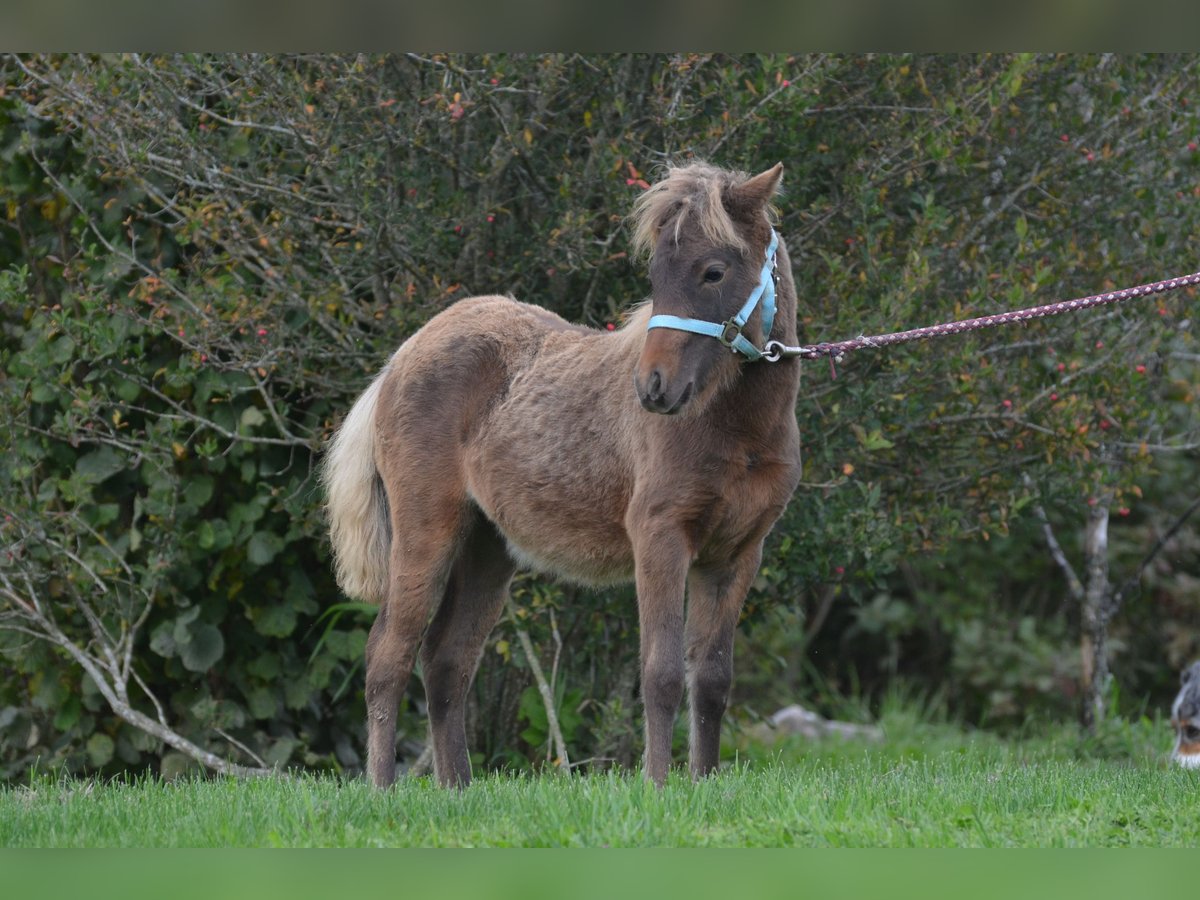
[(739, 501)]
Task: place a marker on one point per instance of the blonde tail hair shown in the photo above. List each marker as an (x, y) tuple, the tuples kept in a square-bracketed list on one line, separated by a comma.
[(355, 501)]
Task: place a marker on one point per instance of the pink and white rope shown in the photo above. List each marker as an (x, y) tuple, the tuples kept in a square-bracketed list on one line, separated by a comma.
[(775, 350)]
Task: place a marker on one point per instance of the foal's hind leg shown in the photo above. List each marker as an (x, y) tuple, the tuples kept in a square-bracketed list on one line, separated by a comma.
[(715, 597), (425, 542), (450, 654)]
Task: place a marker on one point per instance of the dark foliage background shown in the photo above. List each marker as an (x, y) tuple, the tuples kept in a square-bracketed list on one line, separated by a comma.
[(204, 258)]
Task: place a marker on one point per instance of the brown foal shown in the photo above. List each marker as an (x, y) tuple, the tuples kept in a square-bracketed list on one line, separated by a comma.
[(500, 436)]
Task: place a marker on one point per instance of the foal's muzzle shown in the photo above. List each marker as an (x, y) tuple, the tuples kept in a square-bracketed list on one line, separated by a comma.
[(657, 397)]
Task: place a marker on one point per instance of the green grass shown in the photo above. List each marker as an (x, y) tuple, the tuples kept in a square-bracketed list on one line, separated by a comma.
[(929, 785)]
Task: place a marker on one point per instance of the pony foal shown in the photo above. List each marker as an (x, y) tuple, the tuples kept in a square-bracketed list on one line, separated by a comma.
[(501, 436)]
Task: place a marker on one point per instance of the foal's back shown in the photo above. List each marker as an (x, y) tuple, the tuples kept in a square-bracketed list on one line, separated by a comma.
[(529, 413)]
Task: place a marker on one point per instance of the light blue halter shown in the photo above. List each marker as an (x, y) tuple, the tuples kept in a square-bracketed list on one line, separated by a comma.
[(729, 332)]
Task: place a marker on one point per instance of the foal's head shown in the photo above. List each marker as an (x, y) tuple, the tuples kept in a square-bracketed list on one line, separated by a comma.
[(706, 231)]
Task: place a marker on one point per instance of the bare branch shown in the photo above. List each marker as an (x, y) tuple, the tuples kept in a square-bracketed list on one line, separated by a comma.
[(1119, 595), (535, 667), (1074, 585), (114, 691)]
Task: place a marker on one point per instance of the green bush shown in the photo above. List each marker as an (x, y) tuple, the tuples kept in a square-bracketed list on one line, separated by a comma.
[(206, 258)]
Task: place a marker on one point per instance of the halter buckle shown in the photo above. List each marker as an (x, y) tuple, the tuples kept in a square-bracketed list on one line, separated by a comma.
[(730, 332)]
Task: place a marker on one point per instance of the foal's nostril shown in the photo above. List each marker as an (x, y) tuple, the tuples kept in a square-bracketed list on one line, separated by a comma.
[(654, 385)]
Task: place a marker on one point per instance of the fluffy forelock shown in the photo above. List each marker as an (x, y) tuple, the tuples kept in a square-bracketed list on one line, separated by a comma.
[(692, 192)]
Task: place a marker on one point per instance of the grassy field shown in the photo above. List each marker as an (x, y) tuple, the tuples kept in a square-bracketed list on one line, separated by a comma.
[(928, 785)]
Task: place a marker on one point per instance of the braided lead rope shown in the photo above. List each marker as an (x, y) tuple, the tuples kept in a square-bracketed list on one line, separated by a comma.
[(776, 350)]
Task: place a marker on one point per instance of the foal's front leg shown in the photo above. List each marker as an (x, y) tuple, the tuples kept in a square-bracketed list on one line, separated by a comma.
[(662, 561), (715, 598)]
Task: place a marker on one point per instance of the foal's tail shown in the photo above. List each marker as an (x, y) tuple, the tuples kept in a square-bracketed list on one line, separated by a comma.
[(359, 526)]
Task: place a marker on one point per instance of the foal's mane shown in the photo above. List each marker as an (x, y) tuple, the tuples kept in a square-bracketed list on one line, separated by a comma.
[(691, 191)]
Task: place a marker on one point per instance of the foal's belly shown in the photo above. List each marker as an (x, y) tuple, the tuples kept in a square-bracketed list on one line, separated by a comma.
[(559, 497), (550, 531)]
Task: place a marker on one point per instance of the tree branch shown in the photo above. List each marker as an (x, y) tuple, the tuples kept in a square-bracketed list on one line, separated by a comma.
[(539, 677), (114, 692), (1074, 585), (1118, 596)]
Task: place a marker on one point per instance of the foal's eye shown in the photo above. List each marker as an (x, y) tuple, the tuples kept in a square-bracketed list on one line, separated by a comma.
[(713, 274)]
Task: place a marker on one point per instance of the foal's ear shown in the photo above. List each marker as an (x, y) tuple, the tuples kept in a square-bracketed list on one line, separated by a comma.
[(759, 190)]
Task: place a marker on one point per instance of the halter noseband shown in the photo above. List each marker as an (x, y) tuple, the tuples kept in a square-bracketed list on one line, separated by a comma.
[(729, 332)]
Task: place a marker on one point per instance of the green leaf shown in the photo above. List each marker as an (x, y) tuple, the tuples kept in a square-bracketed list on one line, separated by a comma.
[(532, 709), (261, 702), (162, 639), (213, 534), (103, 513), (127, 390), (68, 715), (43, 392), (265, 666), (181, 632), (62, 350), (263, 547), (99, 465), (281, 751), (297, 693), (175, 765), (275, 621), (204, 649), (100, 749), (199, 490), (871, 441), (252, 417)]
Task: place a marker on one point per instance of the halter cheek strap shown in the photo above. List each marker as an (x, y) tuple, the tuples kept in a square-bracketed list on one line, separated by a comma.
[(729, 332)]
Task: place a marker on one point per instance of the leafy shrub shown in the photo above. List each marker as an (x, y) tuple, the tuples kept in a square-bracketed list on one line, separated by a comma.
[(207, 257)]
